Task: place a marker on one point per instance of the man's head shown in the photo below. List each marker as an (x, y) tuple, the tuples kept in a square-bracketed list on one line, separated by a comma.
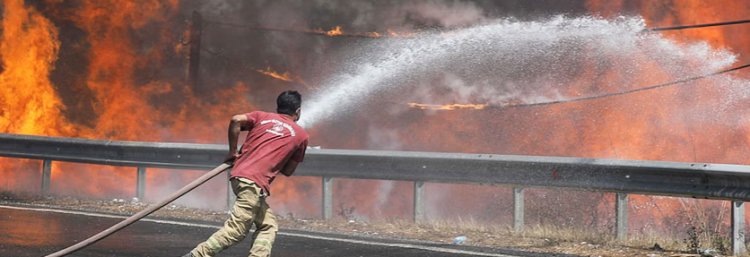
[(289, 103)]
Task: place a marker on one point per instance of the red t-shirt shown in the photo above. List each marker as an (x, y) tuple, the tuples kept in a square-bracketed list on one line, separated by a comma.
[(273, 139)]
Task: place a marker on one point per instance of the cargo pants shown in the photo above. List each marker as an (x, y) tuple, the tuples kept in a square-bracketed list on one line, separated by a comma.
[(249, 208)]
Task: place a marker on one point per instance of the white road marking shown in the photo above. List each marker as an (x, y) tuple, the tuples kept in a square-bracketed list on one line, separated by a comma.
[(354, 241)]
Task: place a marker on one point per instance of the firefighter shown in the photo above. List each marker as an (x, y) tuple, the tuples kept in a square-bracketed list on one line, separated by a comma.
[(274, 144)]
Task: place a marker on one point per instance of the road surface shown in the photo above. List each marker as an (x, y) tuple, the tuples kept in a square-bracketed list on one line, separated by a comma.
[(32, 231)]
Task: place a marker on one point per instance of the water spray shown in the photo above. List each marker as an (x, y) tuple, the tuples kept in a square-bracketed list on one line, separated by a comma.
[(520, 62)]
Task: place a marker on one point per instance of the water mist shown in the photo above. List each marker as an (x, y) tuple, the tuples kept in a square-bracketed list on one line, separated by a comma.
[(521, 62)]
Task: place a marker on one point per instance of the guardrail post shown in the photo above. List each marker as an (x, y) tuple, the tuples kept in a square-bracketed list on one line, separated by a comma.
[(419, 214), (621, 211), (140, 188), (518, 216), (230, 192), (738, 228), (327, 198), (46, 176)]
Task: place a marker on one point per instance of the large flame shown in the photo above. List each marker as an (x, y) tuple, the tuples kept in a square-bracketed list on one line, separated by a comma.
[(710, 142), (113, 62), (122, 97), (28, 49), (29, 103)]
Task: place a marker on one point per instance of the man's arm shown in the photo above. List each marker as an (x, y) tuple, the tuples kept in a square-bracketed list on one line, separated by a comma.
[(238, 123), (297, 157), (289, 167)]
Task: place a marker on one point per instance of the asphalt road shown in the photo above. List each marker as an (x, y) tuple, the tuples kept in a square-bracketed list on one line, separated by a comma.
[(37, 232)]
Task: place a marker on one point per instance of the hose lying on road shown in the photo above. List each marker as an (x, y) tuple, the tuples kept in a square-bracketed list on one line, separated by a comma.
[(143, 213)]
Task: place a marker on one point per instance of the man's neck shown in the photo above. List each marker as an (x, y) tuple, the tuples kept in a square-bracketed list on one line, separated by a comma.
[(290, 117)]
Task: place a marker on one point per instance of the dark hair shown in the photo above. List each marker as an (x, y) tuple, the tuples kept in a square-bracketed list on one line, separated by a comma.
[(288, 102)]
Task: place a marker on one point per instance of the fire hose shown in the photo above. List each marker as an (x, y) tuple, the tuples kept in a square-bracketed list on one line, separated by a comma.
[(143, 213)]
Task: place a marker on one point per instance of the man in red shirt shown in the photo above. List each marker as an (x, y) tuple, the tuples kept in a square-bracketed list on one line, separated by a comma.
[(274, 143)]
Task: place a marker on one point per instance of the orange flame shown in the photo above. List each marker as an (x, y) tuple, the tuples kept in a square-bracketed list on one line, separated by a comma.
[(447, 107), (713, 139), (335, 32), (338, 31), (29, 103), (665, 13), (286, 76), (393, 33), (280, 76), (28, 49)]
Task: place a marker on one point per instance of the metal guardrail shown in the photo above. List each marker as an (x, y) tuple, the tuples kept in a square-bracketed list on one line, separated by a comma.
[(117, 153), (697, 180)]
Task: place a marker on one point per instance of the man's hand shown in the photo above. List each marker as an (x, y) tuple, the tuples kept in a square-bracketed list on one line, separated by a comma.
[(231, 157), (235, 126), (289, 168)]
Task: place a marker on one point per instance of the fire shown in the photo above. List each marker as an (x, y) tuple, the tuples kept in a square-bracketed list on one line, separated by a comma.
[(112, 83), (114, 63), (285, 76), (393, 33), (683, 12), (280, 76), (338, 31), (335, 32), (447, 107), (671, 13), (712, 141), (28, 49), (29, 103)]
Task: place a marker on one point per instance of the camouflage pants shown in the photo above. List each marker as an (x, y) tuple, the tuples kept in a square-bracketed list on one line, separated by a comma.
[(249, 208)]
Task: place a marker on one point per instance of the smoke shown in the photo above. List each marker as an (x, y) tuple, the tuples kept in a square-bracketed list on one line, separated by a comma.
[(383, 138), (445, 14), (233, 50)]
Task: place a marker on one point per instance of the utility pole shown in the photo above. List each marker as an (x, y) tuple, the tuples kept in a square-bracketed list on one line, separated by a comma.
[(193, 71)]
